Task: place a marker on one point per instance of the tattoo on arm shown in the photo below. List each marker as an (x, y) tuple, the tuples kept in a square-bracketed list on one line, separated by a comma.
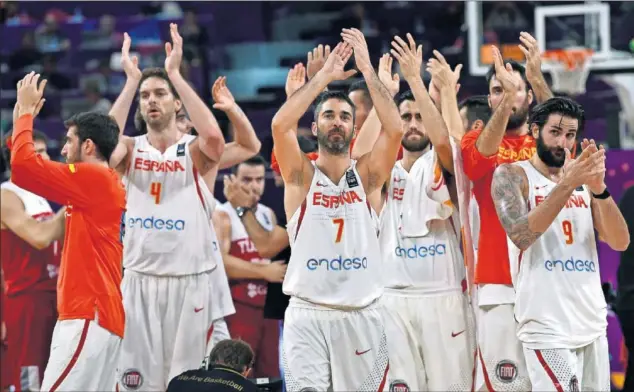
[(380, 87), (510, 202)]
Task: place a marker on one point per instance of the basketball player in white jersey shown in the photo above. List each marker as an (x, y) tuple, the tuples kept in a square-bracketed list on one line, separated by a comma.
[(30, 257), (249, 272), (427, 318), (333, 335), (172, 289), (550, 207)]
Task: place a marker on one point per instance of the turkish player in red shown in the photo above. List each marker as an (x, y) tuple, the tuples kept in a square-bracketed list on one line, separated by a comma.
[(90, 326), (248, 272), (504, 139), (30, 256)]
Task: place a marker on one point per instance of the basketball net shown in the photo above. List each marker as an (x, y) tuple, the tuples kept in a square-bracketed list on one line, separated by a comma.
[(569, 69)]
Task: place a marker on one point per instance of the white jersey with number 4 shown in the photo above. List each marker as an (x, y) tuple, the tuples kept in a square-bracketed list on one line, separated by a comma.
[(335, 259), (559, 303), (168, 231), (429, 264)]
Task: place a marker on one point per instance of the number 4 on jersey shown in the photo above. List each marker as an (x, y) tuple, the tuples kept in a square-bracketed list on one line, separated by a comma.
[(155, 190)]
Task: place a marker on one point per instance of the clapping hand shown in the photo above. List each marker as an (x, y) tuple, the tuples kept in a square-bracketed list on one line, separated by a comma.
[(174, 51), (530, 48), (441, 72), (356, 39), (222, 96), (334, 66), (391, 81), (295, 79), (511, 83), (130, 65), (30, 95), (316, 60), (409, 57)]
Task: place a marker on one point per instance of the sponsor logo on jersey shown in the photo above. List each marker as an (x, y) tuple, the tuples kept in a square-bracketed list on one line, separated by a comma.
[(156, 166), (420, 251), (132, 379), (351, 179), (575, 201), (399, 386), (334, 201), (153, 223), (570, 265), (338, 264), (180, 150), (506, 371)]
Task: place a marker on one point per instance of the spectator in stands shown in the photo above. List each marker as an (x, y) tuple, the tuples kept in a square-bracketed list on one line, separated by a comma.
[(94, 95), (104, 37), (26, 55), (195, 38), (11, 16), (230, 362), (49, 38), (625, 294), (56, 79)]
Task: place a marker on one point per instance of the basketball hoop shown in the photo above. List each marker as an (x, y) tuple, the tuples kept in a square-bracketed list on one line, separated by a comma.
[(569, 69)]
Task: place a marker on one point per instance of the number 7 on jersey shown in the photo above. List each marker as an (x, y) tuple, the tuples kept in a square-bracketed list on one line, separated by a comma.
[(339, 223)]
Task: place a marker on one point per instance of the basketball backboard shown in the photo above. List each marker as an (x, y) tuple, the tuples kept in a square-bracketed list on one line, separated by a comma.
[(554, 25)]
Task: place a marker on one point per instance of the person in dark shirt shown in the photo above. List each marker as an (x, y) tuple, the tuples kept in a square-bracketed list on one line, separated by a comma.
[(625, 291), (230, 362)]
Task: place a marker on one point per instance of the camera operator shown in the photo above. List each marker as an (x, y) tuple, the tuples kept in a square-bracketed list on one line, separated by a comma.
[(230, 362)]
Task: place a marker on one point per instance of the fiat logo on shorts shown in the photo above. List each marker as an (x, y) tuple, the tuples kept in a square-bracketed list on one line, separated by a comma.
[(506, 371), (132, 379), (399, 386)]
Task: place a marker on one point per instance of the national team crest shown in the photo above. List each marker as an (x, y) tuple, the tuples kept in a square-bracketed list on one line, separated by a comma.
[(506, 371), (399, 386), (132, 379), (180, 150)]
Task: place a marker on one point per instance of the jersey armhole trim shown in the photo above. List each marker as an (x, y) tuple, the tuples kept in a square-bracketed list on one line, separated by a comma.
[(302, 211)]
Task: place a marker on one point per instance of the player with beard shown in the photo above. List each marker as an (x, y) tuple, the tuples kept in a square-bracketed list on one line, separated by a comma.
[(504, 139), (550, 207), (427, 316), (333, 335), (172, 292)]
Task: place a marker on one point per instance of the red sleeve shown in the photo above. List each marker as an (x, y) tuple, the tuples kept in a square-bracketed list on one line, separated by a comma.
[(55, 181), (475, 164)]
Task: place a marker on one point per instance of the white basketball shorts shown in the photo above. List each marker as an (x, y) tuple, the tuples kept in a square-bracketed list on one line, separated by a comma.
[(582, 369), (169, 323), (325, 349), (431, 341), (500, 359), (83, 357)]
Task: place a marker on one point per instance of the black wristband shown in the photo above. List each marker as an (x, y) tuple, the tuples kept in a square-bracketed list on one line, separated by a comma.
[(602, 196)]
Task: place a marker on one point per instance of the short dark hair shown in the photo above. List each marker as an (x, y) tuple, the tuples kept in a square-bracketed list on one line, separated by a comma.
[(256, 160), (404, 96), (362, 86), (37, 135), (557, 105), (515, 66), (101, 128), (160, 73), (327, 96), (477, 109), (234, 353)]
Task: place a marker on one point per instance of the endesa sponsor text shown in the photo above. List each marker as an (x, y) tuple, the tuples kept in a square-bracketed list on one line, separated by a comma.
[(337, 264), (154, 223), (416, 252), (570, 265)]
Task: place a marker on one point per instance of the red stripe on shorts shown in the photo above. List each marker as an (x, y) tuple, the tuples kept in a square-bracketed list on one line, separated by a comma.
[(73, 360), (485, 373), (382, 384), (549, 371)]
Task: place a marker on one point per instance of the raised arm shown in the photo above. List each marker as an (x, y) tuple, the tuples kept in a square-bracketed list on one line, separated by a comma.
[(210, 139), (371, 128), (488, 142), (510, 192), (534, 74), (121, 107), (608, 219), (294, 166), (375, 167), (447, 80), (411, 59), (38, 234), (246, 143)]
